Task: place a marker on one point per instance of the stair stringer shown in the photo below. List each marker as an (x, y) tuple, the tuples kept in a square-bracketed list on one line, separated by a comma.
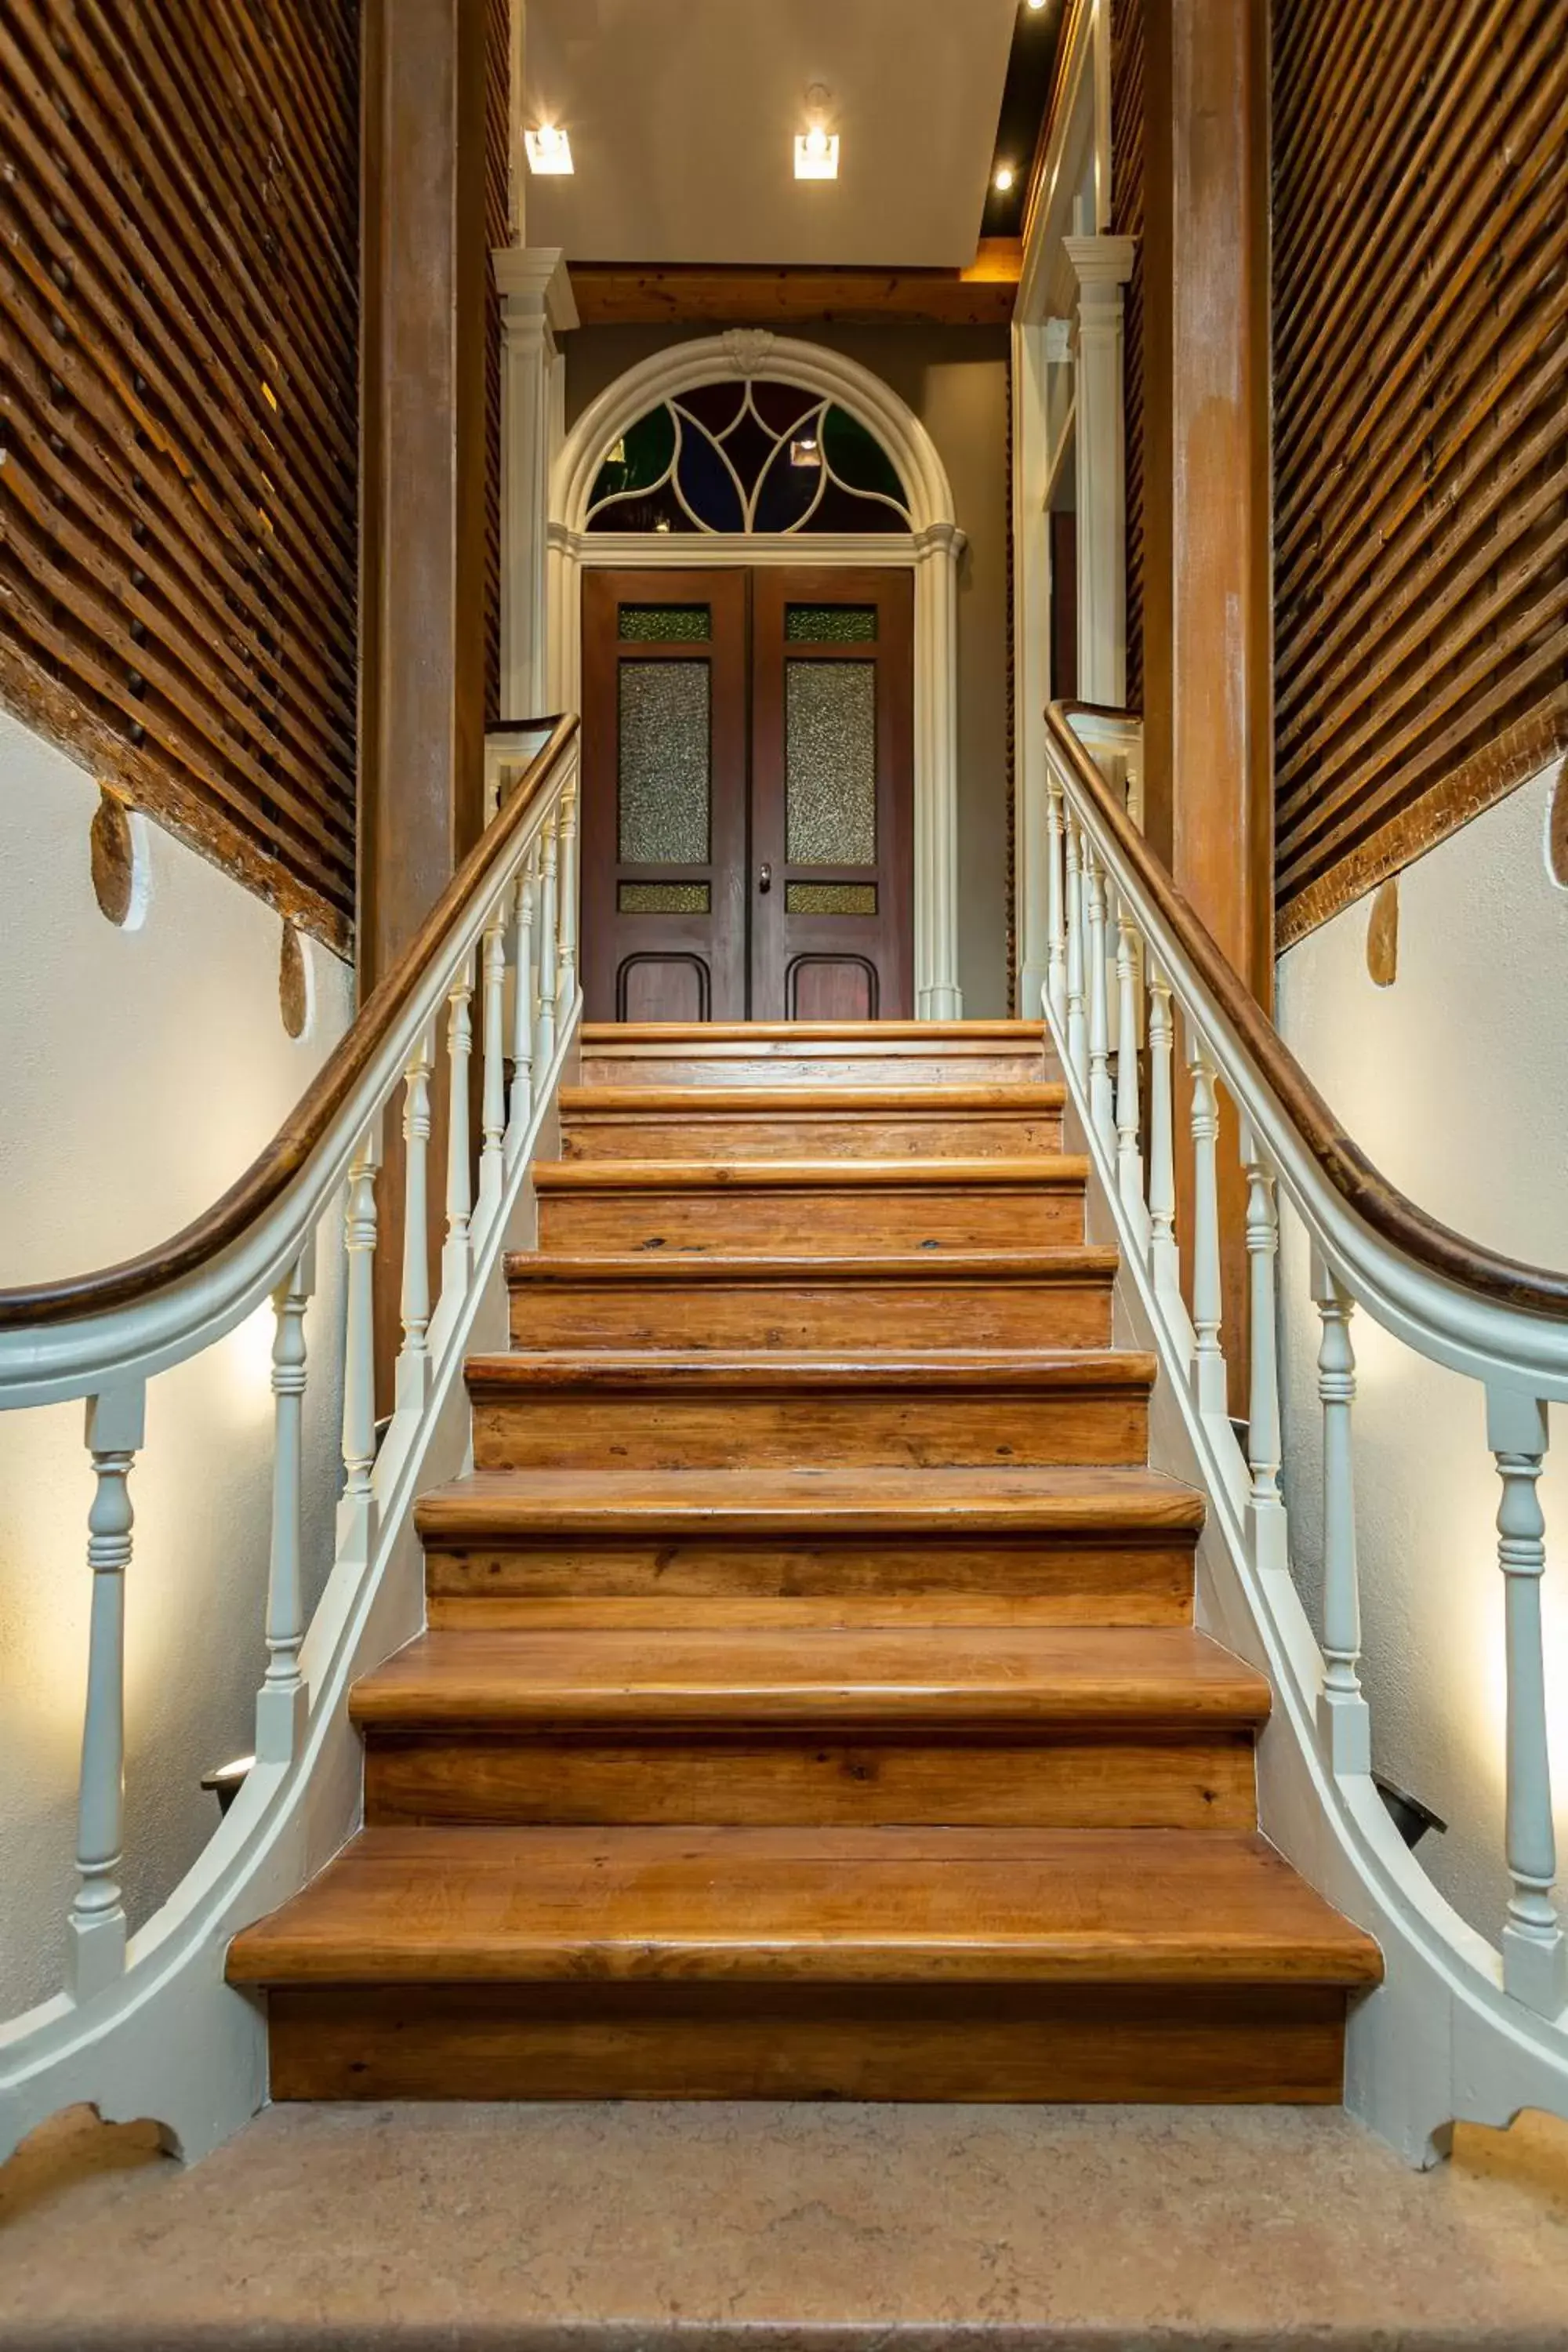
[(171, 2041), (1439, 2042)]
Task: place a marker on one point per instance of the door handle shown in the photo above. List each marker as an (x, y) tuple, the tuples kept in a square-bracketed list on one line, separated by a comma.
[(764, 877)]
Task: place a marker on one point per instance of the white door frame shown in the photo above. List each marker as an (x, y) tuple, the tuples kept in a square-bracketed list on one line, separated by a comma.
[(930, 549)]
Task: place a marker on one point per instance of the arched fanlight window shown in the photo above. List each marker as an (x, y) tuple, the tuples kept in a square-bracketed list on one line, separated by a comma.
[(752, 456)]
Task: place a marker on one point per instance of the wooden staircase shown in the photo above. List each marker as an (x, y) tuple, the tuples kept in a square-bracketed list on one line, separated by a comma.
[(811, 1705)]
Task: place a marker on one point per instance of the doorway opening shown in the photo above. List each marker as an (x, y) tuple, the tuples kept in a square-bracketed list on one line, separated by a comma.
[(748, 772)]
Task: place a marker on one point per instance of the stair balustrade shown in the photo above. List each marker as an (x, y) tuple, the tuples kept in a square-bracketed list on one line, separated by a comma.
[(1485, 2027), (144, 2024)]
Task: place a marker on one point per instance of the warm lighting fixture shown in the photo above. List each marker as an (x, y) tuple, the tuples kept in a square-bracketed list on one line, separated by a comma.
[(1036, 4), (1003, 178), (805, 452), (816, 153), (548, 149), (227, 1780)]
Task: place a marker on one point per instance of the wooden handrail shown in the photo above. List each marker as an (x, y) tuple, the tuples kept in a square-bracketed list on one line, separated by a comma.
[(273, 1169), (1361, 1187)]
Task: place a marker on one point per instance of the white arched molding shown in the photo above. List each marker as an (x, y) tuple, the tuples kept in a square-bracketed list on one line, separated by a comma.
[(931, 548)]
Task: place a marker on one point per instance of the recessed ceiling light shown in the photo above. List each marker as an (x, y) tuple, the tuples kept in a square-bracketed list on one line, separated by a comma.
[(548, 149), (1003, 178), (1036, 4), (816, 153)]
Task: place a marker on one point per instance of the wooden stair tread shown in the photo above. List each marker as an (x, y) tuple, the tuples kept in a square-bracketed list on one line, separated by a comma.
[(1169, 1676), (1043, 1171), (829, 1905), (1070, 1262), (935, 1100), (597, 1034), (927, 1371), (874, 1500)]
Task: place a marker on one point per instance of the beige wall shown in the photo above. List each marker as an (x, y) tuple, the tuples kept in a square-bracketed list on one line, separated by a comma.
[(955, 381)]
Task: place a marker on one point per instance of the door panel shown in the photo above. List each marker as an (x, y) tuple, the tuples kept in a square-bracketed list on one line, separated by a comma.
[(747, 796), (831, 752), (664, 801)]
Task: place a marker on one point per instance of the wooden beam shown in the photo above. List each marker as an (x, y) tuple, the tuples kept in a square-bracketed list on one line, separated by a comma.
[(621, 294)]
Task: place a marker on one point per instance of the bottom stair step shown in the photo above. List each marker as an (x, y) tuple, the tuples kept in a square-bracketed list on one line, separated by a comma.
[(697, 1962)]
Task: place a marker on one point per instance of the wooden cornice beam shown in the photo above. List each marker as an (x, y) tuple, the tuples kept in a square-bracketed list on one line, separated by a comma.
[(620, 294)]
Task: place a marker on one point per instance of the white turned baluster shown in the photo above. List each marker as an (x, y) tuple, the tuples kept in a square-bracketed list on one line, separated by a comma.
[(1056, 913), (414, 1356), (1129, 1158), (1266, 1505), (1209, 1392), (522, 1008), (492, 1108), (1343, 1723), (356, 1509), (1165, 1265), (547, 947), (566, 894), (1078, 1027), (116, 1425), (457, 1251), (1534, 1957), (281, 1701), (1100, 1106)]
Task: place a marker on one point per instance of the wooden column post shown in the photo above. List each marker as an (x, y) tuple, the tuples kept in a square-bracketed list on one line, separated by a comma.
[(1208, 638), (423, 259)]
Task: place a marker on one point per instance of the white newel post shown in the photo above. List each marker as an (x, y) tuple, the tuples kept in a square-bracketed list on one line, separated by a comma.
[(1103, 265), (493, 1109), (458, 1249), (1100, 1106), (1055, 902), (1534, 1957), (566, 897), (1128, 1156), (544, 1040), (1209, 1386), (522, 1005), (1344, 1722), (1266, 1505), (281, 1701), (1076, 1021), (1165, 1265), (414, 1356), (937, 995), (536, 306), (116, 1425)]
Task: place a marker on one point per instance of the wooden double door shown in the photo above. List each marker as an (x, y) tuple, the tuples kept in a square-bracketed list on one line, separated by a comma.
[(747, 795)]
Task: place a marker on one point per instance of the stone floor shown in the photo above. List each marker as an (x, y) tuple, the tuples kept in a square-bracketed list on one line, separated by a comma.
[(636, 2229)]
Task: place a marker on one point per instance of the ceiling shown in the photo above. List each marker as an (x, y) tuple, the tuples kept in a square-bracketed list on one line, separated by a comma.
[(681, 115)]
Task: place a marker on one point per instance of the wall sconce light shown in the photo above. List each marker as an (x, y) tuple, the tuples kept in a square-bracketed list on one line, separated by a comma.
[(816, 153), (549, 150)]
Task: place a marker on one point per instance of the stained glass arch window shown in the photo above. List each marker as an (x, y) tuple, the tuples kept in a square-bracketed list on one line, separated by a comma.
[(748, 455)]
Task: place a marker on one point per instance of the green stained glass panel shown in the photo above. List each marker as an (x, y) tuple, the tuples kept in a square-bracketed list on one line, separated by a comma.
[(859, 462), (830, 625), (664, 899), (831, 762), (665, 768), (830, 898), (666, 624), (639, 458)]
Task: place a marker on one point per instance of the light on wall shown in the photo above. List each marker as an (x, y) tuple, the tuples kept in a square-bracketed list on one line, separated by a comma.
[(816, 153), (548, 149), (1003, 178)]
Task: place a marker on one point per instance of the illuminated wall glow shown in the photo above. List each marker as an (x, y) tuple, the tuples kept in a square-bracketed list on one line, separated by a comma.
[(1455, 1080)]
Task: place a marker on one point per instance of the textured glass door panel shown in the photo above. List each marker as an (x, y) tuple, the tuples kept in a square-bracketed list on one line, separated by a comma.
[(830, 625), (665, 764), (664, 899), (666, 624), (830, 898), (831, 762)]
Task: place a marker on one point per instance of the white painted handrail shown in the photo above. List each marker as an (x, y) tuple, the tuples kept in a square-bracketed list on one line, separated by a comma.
[(1501, 1324), (103, 1338)]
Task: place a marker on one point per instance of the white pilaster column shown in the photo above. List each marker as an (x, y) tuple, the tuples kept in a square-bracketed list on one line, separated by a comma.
[(1103, 265), (937, 994), (536, 306)]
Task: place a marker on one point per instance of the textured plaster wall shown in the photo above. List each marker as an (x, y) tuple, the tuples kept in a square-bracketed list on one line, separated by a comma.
[(142, 1070), (955, 381), (1455, 1080)]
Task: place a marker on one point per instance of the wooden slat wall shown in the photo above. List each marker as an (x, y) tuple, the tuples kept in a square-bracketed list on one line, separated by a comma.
[(179, 222), (497, 231), (1127, 60), (1421, 405)]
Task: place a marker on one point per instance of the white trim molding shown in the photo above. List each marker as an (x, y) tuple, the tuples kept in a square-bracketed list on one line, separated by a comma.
[(1103, 266), (537, 307), (930, 549)]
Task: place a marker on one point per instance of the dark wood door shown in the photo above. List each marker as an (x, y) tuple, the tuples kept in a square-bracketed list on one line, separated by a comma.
[(666, 771), (832, 734), (747, 761)]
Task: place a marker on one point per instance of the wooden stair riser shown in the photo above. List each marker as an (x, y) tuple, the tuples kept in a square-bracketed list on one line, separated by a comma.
[(800, 1135), (1230, 2044), (802, 1313), (926, 1427), (802, 1221), (950, 1065), (1122, 1777), (1103, 1580)]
